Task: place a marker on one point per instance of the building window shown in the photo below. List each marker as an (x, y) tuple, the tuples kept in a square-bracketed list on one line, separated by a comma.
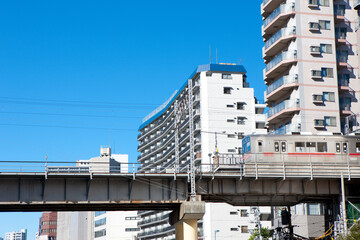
[(208, 74), (326, 48), (227, 90), (132, 218), (330, 121), (244, 213), (231, 135), (233, 213), (314, 209), (98, 213), (234, 229), (240, 105), (244, 229), (324, 3), (328, 97), (230, 105), (100, 233), (226, 76), (132, 229), (327, 72), (231, 120), (240, 135), (241, 120), (231, 150), (100, 222), (324, 24)]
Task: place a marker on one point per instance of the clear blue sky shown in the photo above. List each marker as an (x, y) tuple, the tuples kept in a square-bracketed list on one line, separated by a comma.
[(72, 70)]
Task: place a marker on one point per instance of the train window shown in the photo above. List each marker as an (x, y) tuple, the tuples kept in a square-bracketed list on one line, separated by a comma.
[(338, 147), (283, 146), (260, 146), (276, 146), (345, 147), (322, 147), (358, 147), (299, 147), (311, 146)]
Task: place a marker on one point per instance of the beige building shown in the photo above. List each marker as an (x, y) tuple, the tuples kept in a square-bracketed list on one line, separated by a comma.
[(311, 65)]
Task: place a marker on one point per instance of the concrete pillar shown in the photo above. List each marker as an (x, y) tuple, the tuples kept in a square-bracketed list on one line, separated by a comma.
[(185, 219), (186, 229)]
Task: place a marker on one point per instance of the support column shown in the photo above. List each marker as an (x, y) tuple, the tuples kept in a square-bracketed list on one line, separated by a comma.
[(185, 219), (186, 229)]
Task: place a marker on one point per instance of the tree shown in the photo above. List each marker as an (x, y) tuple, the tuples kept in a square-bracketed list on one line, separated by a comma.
[(354, 233), (265, 233)]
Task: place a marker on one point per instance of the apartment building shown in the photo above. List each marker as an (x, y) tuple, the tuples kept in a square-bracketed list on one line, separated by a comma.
[(47, 226), (311, 62), (223, 110), (16, 235)]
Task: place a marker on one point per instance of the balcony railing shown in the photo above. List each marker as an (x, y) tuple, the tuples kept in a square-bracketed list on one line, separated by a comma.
[(279, 34), (286, 129), (343, 82), (281, 57), (283, 105), (342, 59), (280, 82), (281, 9)]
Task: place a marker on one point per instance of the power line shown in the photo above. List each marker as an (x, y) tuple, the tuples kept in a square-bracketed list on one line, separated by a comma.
[(70, 127), (70, 115)]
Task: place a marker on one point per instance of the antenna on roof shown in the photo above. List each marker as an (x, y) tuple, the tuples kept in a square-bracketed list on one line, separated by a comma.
[(210, 53), (110, 139), (240, 61), (216, 57)]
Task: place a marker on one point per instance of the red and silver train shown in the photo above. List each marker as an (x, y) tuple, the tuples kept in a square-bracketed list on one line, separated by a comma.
[(323, 148)]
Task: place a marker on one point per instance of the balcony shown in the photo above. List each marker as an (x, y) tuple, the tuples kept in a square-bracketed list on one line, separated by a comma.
[(281, 86), (345, 109), (268, 6), (343, 84), (285, 129), (279, 63), (342, 61), (279, 40), (340, 38), (339, 15), (278, 18), (283, 110)]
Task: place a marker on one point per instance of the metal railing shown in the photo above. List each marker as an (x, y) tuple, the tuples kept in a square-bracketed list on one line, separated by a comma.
[(280, 82), (279, 34), (294, 103), (281, 9), (286, 129), (281, 57)]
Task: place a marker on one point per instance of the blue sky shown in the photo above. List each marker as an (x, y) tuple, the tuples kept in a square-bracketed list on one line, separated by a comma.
[(72, 70)]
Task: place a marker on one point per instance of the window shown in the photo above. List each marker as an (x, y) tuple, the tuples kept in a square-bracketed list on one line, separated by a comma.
[(227, 90), (330, 121), (100, 233), (243, 213), (327, 72), (241, 120), (240, 106), (299, 147), (132, 218), (324, 3), (240, 135), (231, 150), (132, 229), (322, 147), (310, 146), (208, 74), (358, 147), (314, 26), (316, 73), (230, 106), (230, 120), (326, 48), (233, 213), (314, 209), (100, 222), (234, 229), (328, 96), (226, 76), (244, 229), (231, 135), (339, 10), (324, 24), (98, 213), (276, 147)]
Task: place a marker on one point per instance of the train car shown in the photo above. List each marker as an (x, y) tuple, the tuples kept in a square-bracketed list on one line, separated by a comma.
[(294, 148)]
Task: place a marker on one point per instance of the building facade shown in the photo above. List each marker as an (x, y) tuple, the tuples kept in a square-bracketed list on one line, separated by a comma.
[(207, 116), (48, 226), (311, 62), (16, 235)]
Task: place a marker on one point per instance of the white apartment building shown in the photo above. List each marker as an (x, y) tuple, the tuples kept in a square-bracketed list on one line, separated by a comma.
[(224, 110), (16, 235), (312, 67), (99, 225)]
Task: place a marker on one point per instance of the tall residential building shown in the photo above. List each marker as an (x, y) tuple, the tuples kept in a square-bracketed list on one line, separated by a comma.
[(16, 235), (312, 67), (75, 225), (48, 226), (223, 110)]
